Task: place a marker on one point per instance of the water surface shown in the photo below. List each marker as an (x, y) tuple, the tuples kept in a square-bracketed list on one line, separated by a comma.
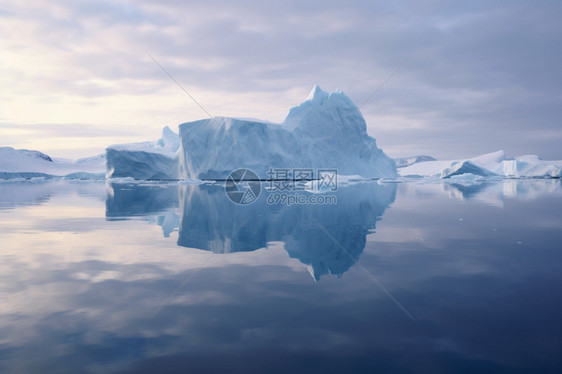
[(410, 277)]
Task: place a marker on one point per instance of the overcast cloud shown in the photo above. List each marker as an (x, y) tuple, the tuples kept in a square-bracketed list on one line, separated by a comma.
[(482, 76)]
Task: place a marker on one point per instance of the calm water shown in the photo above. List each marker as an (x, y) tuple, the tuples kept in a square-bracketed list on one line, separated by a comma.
[(144, 278)]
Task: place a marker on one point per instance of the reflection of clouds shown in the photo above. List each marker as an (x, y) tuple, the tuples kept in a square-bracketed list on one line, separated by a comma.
[(13, 194), (397, 235), (443, 236), (113, 281), (111, 315)]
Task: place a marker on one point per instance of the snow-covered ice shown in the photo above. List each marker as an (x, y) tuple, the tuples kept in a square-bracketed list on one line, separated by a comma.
[(23, 163), (530, 166), (488, 165)]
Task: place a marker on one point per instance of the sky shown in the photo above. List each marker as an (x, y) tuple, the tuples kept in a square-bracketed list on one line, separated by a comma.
[(77, 76)]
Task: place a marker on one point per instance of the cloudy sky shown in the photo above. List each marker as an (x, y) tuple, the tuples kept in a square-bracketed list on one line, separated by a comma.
[(482, 76)]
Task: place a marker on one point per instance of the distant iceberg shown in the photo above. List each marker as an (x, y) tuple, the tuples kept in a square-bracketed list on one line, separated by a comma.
[(23, 163), (402, 162), (488, 165)]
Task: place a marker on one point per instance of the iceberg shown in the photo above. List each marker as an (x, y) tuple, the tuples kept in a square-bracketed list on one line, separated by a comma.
[(146, 160), (326, 131), (402, 162), (488, 165), (530, 166), (466, 167), (23, 163)]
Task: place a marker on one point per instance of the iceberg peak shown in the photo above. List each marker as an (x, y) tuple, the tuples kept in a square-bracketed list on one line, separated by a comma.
[(323, 111), (169, 140), (317, 94)]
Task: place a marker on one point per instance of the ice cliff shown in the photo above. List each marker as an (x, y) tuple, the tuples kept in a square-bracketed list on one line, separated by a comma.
[(146, 160), (326, 131)]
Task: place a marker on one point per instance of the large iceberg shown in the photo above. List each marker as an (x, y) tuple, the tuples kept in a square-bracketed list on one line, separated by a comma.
[(325, 131), (488, 165), (146, 160), (23, 163)]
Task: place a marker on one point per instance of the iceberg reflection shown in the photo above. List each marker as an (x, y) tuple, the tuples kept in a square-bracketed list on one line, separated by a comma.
[(495, 192), (209, 221)]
